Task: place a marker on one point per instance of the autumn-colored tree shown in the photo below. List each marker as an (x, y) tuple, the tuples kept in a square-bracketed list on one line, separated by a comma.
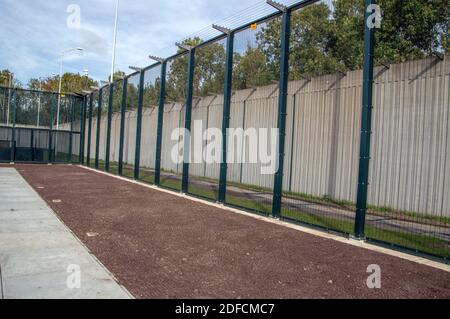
[(71, 82)]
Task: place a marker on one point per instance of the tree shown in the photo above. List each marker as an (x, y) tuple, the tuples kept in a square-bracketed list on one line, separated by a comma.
[(208, 72), (311, 44), (324, 41), (71, 82), (410, 30), (5, 79), (251, 69)]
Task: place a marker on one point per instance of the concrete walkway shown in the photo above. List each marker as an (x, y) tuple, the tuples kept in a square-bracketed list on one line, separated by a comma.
[(39, 257)]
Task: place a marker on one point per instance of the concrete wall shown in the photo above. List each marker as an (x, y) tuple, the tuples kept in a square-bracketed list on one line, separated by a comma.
[(409, 169)]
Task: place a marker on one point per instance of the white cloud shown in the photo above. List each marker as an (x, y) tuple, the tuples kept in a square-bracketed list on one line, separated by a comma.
[(33, 33)]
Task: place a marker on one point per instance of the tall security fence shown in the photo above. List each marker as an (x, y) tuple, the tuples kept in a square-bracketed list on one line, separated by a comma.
[(34, 129), (361, 121)]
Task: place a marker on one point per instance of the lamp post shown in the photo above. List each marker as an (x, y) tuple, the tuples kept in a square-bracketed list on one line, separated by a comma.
[(60, 81), (39, 102), (111, 78), (86, 74)]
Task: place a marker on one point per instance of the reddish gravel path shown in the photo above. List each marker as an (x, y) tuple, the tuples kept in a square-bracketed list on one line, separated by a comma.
[(162, 246)]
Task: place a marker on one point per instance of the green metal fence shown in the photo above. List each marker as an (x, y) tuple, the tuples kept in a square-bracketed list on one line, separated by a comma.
[(356, 148), (34, 129)]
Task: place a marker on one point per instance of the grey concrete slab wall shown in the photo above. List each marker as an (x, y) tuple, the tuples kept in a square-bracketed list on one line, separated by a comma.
[(409, 169)]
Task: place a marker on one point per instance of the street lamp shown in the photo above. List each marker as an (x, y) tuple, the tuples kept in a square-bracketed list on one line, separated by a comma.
[(39, 101), (60, 81)]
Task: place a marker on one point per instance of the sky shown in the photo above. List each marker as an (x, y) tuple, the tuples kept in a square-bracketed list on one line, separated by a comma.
[(34, 33)]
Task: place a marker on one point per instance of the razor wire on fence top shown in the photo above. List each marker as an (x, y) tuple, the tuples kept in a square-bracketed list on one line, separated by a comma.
[(307, 111)]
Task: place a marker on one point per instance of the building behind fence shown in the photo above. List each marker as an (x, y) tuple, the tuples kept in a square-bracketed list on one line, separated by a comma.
[(410, 149)]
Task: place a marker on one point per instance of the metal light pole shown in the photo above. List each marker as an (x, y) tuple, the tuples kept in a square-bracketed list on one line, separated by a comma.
[(39, 101), (60, 81), (111, 78), (86, 74)]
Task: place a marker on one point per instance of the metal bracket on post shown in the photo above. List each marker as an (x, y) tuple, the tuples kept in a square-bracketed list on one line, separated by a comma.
[(185, 46), (159, 129), (108, 129), (137, 150), (282, 106), (222, 29), (135, 68), (366, 127), (277, 5), (156, 58)]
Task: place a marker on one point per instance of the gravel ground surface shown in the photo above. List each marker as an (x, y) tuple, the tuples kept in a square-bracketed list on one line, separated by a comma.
[(160, 245)]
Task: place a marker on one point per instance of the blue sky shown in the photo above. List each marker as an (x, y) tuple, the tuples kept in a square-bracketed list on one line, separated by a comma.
[(33, 33)]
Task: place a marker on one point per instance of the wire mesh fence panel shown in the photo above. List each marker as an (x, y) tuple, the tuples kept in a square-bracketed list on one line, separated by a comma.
[(77, 114), (23, 140), (103, 128), (74, 155), (5, 104), (208, 84), (115, 128), (173, 119), (129, 147), (41, 146), (93, 128), (409, 181), (63, 115), (322, 125), (5, 144), (150, 102), (26, 107), (61, 146), (253, 120), (86, 128)]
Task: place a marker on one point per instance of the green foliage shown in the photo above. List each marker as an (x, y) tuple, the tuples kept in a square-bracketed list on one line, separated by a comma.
[(9, 81), (71, 82), (410, 30), (323, 42)]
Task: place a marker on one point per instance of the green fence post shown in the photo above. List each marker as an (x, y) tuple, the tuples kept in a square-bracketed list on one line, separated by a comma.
[(89, 137), (122, 125), (50, 132), (159, 130), (226, 111), (282, 102), (366, 124), (137, 150), (188, 116), (108, 129), (99, 120), (72, 115), (13, 132), (82, 129)]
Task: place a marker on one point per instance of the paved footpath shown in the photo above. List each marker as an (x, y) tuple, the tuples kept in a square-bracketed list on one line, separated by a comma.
[(39, 256)]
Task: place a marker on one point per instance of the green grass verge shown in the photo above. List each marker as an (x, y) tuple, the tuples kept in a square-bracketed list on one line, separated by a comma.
[(420, 243)]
